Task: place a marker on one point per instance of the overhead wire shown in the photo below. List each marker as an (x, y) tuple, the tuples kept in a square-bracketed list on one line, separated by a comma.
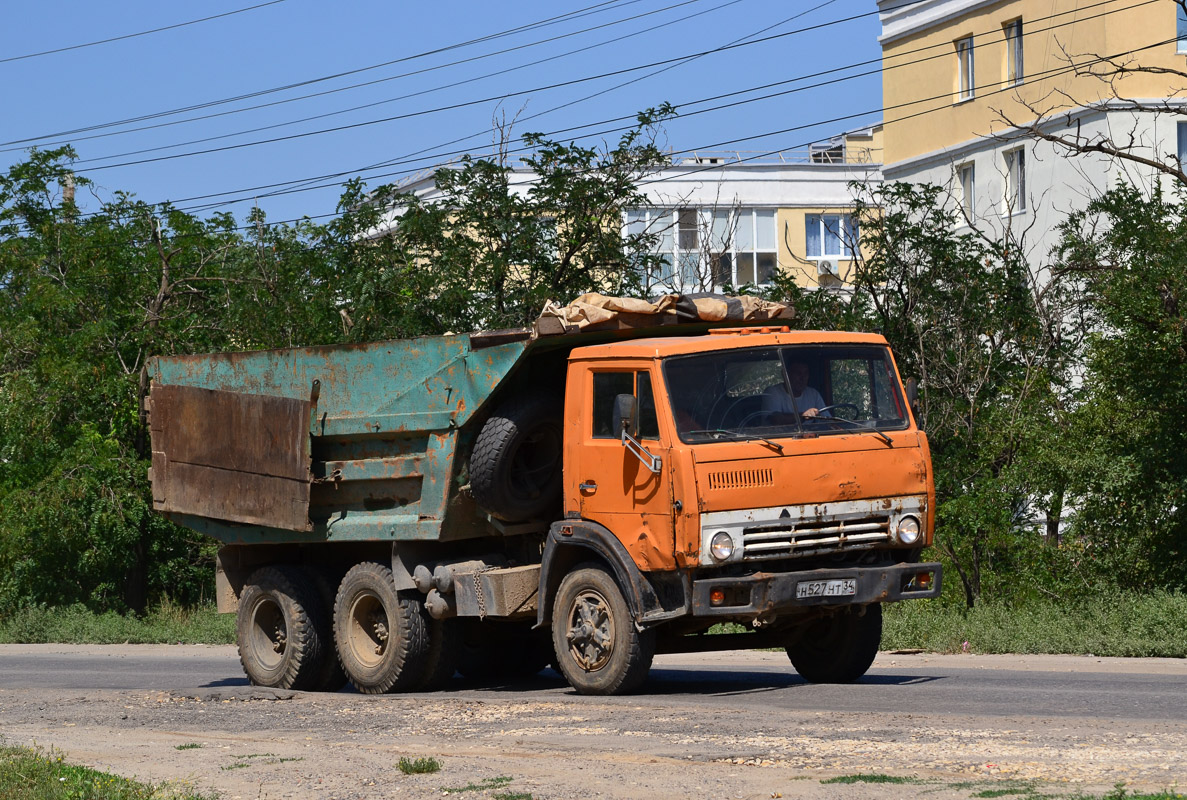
[(464, 81), (983, 90), (139, 33), (467, 103), (1031, 31), (593, 9)]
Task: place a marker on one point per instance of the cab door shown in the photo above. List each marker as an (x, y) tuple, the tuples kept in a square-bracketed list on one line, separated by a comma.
[(615, 488)]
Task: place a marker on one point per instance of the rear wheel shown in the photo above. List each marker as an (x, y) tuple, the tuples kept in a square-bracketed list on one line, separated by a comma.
[(279, 643), (444, 654), (598, 648), (838, 648), (381, 636)]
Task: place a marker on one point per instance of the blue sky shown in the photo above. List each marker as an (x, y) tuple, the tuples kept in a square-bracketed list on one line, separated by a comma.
[(49, 98)]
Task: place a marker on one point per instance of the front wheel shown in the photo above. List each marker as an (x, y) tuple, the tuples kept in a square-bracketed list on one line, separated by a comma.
[(598, 648), (838, 648)]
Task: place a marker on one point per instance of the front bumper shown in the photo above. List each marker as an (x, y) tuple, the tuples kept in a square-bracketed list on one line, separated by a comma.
[(767, 593)]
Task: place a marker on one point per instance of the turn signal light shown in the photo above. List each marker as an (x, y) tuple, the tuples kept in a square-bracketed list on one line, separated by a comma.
[(923, 581), (716, 597)]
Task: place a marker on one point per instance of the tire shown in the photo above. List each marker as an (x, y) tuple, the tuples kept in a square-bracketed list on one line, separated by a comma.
[(381, 636), (598, 648), (515, 466), (444, 655), (838, 648), (330, 676), (279, 642)]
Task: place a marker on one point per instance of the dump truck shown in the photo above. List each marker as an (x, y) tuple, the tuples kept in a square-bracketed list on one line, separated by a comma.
[(609, 484)]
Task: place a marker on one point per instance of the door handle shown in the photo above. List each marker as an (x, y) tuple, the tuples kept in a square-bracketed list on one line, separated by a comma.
[(588, 487)]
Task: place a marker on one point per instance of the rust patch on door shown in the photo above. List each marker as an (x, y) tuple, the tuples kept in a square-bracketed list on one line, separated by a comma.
[(230, 456)]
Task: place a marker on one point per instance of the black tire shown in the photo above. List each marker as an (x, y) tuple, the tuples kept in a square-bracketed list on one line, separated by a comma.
[(503, 651), (598, 648), (444, 655), (515, 466), (381, 635), (838, 648), (330, 676), (279, 644)]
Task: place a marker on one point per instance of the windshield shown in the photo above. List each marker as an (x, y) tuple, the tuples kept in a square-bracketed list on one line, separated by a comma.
[(784, 391)]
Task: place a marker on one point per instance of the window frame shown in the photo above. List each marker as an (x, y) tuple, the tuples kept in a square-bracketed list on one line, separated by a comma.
[(968, 188), (1180, 29), (966, 87), (688, 246), (1014, 62), (848, 236), (1014, 196)]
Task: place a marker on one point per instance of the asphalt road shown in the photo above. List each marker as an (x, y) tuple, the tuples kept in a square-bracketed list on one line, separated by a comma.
[(739, 725), (1057, 686)]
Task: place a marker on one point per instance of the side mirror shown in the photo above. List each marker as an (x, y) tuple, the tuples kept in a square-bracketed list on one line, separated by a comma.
[(913, 397), (624, 413)]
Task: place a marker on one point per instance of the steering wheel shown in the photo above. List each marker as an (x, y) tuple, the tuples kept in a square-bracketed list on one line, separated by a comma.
[(849, 406)]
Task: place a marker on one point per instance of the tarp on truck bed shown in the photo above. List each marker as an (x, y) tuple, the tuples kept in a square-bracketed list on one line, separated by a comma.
[(594, 312)]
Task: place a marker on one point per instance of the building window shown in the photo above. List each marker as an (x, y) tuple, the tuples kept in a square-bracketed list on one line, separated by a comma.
[(1182, 148), (1181, 27), (966, 179), (830, 235), (964, 69), (1015, 181), (701, 249), (1014, 71)]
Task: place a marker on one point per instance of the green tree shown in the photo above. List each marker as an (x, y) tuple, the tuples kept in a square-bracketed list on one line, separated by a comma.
[(1128, 475)]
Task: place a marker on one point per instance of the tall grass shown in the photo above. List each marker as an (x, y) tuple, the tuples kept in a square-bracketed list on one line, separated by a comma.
[(1108, 624), (166, 624)]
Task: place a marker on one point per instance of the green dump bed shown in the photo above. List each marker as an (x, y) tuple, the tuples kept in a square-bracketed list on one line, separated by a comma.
[(370, 442), (354, 442)]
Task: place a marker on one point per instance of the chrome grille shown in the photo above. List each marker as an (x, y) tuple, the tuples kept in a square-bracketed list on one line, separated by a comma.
[(782, 540)]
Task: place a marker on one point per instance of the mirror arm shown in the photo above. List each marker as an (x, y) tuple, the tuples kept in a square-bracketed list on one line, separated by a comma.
[(653, 463)]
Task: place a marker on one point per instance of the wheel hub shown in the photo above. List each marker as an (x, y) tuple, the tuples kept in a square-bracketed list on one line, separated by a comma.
[(591, 631)]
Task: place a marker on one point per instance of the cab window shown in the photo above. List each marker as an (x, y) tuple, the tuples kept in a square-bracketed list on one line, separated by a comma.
[(607, 386)]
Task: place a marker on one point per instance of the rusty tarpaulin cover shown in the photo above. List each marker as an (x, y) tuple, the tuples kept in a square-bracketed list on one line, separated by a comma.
[(231, 456), (594, 311)]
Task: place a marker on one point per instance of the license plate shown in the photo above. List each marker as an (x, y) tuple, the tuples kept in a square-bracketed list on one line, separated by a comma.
[(843, 587)]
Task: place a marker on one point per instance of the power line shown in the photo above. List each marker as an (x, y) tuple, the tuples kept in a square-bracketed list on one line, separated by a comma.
[(411, 94), (1031, 31), (452, 106), (596, 8), (993, 88), (140, 33)]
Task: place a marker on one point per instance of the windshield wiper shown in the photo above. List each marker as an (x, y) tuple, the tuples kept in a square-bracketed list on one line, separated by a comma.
[(743, 436), (865, 426)]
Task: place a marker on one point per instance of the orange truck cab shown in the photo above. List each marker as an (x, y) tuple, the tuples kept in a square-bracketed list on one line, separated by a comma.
[(711, 493), (393, 513)]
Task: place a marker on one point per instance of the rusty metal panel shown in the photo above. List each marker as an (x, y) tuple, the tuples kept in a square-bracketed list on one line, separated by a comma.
[(230, 456)]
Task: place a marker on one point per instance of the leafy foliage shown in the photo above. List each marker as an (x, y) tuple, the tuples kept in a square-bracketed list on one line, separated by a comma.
[(87, 299)]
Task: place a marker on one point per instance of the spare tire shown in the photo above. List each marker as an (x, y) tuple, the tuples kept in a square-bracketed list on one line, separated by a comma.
[(515, 466)]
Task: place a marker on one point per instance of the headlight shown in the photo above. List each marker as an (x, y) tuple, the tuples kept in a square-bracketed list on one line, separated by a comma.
[(908, 530), (721, 546)]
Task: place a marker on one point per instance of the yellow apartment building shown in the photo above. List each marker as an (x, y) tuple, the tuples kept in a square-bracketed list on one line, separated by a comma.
[(962, 77)]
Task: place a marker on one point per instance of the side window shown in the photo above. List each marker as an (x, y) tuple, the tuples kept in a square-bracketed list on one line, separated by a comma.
[(607, 386), (648, 423)]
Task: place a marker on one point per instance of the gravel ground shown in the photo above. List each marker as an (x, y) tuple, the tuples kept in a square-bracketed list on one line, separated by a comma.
[(259, 744)]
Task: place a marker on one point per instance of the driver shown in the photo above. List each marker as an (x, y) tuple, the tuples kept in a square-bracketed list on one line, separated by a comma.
[(804, 400)]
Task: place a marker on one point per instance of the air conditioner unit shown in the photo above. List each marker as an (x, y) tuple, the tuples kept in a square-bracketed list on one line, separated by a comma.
[(827, 268)]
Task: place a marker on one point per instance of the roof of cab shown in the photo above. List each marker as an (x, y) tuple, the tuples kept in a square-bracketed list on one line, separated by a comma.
[(723, 339)]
